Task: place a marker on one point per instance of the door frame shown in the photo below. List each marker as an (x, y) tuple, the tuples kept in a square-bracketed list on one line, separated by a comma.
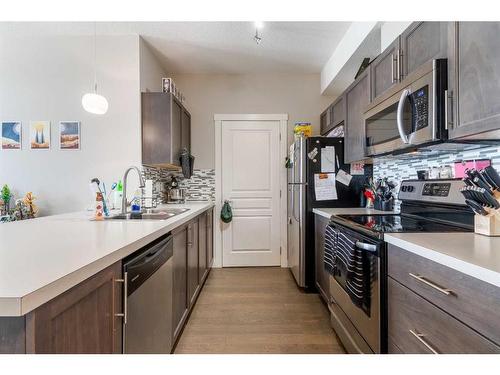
[(283, 137)]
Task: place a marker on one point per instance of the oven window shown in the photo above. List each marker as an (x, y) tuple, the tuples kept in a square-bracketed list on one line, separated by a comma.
[(382, 127)]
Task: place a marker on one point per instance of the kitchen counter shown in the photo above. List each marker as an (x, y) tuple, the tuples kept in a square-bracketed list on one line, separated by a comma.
[(472, 254), (329, 212), (42, 258)]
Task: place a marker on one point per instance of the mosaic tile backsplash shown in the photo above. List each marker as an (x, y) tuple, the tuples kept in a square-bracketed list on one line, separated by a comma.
[(399, 169), (200, 187)]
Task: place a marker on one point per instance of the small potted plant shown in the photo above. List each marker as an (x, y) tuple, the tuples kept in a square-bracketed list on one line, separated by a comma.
[(6, 195)]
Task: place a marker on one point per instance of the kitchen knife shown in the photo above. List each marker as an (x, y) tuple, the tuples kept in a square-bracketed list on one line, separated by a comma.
[(487, 178), (488, 198), (476, 207), (480, 183), (493, 175), (467, 181)]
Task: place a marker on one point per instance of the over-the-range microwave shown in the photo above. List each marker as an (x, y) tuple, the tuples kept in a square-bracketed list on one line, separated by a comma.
[(411, 114)]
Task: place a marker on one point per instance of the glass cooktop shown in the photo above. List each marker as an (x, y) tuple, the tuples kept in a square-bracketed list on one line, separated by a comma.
[(394, 223)]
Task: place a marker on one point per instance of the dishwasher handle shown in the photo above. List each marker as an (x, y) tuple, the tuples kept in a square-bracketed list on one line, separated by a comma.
[(140, 268)]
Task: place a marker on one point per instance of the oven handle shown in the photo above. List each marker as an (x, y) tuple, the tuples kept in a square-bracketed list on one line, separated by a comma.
[(399, 118), (366, 246)]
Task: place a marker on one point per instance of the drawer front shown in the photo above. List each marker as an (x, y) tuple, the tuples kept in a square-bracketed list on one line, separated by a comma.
[(416, 326), (470, 300)]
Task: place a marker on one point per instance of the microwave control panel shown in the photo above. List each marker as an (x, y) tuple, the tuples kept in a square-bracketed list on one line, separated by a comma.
[(420, 102)]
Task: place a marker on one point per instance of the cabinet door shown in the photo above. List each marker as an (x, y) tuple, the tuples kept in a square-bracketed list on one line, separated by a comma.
[(357, 98), (192, 277), (202, 246), (322, 276), (421, 42), (386, 70), (179, 300), (176, 131), (186, 130), (156, 130), (210, 238), (338, 112), (474, 73), (82, 320), (324, 120)]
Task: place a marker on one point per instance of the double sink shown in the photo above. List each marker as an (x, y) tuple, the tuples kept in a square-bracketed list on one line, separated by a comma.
[(150, 214)]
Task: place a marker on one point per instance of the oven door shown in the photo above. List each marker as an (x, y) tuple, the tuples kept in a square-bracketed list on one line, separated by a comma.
[(366, 318), (404, 118)]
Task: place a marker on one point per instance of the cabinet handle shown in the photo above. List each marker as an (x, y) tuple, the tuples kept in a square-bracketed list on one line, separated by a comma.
[(448, 99), (398, 64), (124, 314), (394, 61), (420, 337), (422, 279)]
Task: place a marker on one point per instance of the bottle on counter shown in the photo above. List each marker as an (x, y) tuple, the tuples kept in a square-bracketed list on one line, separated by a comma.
[(118, 195), (136, 202), (99, 207)]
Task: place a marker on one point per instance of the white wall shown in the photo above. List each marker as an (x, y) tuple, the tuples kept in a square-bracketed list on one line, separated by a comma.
[(389, 31), (150, 70), (44, 78), (295, 94)]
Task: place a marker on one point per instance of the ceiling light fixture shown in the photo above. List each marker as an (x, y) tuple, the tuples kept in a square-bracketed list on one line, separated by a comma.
[(93, 102), (258, 25)]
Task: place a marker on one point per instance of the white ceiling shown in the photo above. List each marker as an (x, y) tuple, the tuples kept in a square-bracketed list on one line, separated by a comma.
[(218, 47)]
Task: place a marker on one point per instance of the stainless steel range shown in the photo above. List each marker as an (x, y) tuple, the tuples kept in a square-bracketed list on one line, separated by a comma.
[(358, 286)]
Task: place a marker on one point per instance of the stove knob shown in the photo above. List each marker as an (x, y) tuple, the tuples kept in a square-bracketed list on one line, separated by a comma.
[(404, 188), (411, 188)]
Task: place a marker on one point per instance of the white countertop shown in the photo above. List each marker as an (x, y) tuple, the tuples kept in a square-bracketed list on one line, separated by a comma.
[(329, 212), (42, 258), (472, 254)]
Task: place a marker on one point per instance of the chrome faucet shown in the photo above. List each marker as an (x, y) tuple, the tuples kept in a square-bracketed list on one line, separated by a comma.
[(141, 185)]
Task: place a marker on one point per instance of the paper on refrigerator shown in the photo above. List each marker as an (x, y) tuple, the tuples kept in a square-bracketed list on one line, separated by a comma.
[(324, 186), (328, 159)]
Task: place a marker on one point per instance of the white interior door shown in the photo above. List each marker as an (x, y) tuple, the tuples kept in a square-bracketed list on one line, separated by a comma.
[(251, 181)]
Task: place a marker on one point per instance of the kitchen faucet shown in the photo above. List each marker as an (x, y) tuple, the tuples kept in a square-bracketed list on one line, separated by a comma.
[(141, 185)]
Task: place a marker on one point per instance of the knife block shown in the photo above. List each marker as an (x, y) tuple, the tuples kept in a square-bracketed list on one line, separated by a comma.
[(488, 225)]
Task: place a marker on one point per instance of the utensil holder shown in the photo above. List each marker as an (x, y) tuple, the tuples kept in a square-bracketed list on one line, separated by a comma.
[(487, 225)]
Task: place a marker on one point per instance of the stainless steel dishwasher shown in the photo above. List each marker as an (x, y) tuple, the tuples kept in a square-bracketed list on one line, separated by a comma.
[(148, 299)]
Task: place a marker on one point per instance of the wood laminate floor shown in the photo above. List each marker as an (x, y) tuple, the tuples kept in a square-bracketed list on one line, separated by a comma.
[(257, 310)]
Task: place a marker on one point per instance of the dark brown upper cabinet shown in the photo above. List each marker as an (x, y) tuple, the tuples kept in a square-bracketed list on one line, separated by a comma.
[(166, 129), (473, 76), (386, 69), (324, 121), (357, 97), (421, 42)]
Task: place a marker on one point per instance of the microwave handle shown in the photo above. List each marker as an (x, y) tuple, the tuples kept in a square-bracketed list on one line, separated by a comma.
[(399, 118)]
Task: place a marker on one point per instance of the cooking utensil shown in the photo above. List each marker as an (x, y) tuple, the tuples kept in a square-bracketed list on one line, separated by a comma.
[(481, 183), (488, 198)]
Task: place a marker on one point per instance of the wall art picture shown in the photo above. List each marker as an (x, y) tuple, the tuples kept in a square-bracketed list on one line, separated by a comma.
[(11, 135), (69, 135), (40, 135)]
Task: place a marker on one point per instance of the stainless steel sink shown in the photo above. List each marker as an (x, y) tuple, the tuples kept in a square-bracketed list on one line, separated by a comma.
[(152, 214)]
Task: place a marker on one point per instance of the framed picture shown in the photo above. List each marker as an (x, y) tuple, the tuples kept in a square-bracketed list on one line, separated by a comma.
[(12, 137), (69, 135), (40, 135)]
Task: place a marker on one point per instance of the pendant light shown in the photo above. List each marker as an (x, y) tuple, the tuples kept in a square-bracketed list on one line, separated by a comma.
[(93, 102)]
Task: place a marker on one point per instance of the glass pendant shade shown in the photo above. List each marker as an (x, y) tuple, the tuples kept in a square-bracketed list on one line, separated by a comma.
[(95, 103)]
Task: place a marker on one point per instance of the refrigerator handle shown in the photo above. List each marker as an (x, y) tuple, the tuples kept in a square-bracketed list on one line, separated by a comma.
[(293, 202)]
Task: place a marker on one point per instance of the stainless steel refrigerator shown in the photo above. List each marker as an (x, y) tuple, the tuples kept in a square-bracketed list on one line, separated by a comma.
[(306, 162)]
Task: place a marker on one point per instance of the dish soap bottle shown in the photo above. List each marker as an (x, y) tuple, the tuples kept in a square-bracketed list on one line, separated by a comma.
[(118, 195), (136, 202)]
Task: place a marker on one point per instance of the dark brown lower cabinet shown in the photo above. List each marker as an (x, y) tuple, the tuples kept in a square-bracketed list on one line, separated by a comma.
[(192, 255), (202, 248), (83, 320), (416, 326), (179, 295), (210, 238)]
